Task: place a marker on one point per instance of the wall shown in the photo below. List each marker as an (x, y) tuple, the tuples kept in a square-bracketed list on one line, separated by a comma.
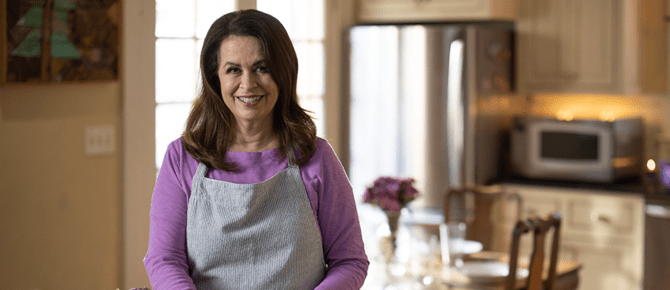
[(60, 209), (139, 165)]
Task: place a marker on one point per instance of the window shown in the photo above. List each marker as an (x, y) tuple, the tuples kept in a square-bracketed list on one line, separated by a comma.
[(181, 25), (304, 21)]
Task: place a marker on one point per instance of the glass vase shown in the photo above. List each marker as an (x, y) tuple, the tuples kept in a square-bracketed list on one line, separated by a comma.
[(389, 243)]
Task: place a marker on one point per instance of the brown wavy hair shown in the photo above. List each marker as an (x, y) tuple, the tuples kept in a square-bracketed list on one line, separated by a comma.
[(209, 132)]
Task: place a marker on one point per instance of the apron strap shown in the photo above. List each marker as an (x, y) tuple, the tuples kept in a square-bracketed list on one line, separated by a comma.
[(201, 171)]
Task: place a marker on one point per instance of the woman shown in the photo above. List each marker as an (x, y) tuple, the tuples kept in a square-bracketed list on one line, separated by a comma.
[(249, 197)]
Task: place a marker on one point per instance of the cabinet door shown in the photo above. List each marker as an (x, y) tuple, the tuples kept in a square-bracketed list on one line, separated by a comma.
[(433, 10), (603, 267), (601, 230), (539, 205), (568, 46), (602, 216)]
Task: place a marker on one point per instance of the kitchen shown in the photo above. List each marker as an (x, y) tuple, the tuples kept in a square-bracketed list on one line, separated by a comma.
[(571, 64), (41, 127)]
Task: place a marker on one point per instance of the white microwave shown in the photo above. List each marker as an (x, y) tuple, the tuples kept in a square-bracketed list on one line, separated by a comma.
[(578, 150)]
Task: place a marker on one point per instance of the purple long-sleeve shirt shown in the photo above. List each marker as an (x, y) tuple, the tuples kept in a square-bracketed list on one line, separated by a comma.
[(328, 190)]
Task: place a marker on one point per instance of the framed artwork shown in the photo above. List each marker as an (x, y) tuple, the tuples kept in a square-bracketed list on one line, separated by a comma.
[(59, 41)]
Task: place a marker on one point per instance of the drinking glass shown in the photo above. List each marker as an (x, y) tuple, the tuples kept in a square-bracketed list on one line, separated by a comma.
[(452, 237)]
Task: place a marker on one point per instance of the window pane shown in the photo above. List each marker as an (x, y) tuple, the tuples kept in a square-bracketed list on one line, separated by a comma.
[(198, 79), (209, 11), (170, 122), (176, 69), (280, 10), (303, 19), (310, 24), (175, 18), (315, 105), (311, 68)]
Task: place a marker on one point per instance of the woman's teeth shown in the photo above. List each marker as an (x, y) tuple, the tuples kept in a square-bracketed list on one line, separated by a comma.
[(249, 100)]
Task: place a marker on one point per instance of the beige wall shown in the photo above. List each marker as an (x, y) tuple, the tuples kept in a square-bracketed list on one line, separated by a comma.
[(60, 209), (139, 169)]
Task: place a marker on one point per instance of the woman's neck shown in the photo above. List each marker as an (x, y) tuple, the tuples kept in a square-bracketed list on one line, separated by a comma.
[(254, 138)]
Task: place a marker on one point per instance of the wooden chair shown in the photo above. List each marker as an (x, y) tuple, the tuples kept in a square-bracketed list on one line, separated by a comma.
[(539, 227), (474, 206)]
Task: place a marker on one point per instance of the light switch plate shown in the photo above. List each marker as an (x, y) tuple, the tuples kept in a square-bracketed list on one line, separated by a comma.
[(99, 140)]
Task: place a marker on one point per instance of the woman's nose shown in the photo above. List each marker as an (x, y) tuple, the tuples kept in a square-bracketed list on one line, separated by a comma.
[(248, 80)]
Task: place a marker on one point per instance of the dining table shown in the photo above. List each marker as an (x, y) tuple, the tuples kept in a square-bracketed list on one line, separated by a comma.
[(433, 275)]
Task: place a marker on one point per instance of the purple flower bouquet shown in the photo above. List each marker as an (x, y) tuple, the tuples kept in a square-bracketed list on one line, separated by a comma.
[(390, 193)]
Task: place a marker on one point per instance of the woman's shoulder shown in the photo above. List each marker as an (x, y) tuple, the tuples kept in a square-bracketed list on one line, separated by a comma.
[(323, 154), (320, 142), (323, 148), (176, 148), (178, 154)]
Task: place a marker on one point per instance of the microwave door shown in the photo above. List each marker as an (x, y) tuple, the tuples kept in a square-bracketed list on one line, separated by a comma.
[(572, 152)]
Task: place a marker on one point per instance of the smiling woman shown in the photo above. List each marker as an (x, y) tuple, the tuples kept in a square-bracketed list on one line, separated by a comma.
[(236, 200)]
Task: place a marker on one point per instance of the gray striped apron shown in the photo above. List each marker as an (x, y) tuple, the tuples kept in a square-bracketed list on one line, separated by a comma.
[(253, 236)]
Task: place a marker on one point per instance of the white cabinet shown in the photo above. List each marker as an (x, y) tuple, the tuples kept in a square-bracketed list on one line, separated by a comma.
[(604, 266), (602, 230), (377, 11), (594, 46)]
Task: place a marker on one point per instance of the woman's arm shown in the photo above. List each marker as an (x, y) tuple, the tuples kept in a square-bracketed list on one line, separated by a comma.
[(166, 260), (338, 220)]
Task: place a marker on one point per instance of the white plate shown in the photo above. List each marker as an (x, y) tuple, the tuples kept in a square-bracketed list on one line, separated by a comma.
[(470, 247), (489, 272)]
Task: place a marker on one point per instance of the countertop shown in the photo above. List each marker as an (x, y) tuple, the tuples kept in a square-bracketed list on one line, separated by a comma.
[(633, 185), (630, 186)]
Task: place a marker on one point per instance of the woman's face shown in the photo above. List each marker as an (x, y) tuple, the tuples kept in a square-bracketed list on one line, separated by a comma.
[(247, 88)]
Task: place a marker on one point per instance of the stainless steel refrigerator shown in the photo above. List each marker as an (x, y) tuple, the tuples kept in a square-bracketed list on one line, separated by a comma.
[(414, 92)]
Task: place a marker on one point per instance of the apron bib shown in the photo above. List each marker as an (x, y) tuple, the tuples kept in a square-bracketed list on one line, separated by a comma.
[(253, 236)]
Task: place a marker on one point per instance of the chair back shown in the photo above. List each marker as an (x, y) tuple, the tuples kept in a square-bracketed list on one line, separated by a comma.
[(475, 207), (539, 228)]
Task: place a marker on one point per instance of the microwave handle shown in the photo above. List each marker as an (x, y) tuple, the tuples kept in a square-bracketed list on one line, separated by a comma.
[(658, 211)]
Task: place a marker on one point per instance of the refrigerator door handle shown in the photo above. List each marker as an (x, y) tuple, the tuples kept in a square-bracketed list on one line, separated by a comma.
[(456, 113)]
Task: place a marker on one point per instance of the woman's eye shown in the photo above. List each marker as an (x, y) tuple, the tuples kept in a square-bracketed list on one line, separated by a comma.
[(263, 69), (232, 70)]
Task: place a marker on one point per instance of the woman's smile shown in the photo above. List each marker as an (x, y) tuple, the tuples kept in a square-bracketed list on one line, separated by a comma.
[(250, 101)]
